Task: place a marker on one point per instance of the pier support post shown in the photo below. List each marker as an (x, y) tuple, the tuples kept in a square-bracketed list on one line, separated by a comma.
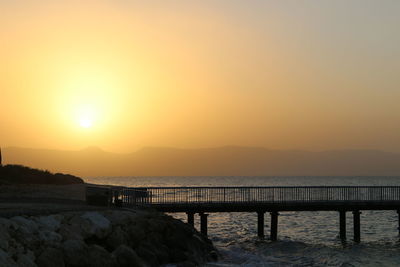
[(342, 223), (274, 226), (203, 223), (190, 218), (356, 221), (260, 224), (398, 228)]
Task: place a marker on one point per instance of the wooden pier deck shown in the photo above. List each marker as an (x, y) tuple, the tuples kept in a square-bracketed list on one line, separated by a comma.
[(203, 200)]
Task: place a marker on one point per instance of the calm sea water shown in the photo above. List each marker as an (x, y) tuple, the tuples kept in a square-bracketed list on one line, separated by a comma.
[(305, 238)]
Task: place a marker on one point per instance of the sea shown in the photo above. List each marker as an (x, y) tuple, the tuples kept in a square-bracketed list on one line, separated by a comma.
[(305, 238)]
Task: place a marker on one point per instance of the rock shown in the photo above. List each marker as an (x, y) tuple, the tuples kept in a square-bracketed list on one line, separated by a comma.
[(99, 225), (4, 237), (154, 238), (213, 256), (75, 253), (6, 260), (162, 254), (121, 217), (177, 255), (24, 239), (50, 238), (97, 219), (135, 234), (99, 257), (157, 225), (29, 226), (51, 257), (15, 249), (140, 222), (148, 255), (127, 257), (177, 239), (74, 239), (186, 264), (26, 260), (73, 232), (116, 238), (52, 222), (7, 223), (88, 225), (81, 226)]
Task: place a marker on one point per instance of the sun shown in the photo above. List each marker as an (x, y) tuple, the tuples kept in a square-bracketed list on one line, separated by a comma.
[(86, 122), (86, 116)]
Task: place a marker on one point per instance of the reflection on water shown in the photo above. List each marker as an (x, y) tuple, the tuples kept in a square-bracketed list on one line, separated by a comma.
[(305, 238)]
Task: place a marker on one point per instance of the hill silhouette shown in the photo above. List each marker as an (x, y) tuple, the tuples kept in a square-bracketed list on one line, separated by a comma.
[(221, 161), (18, 174)]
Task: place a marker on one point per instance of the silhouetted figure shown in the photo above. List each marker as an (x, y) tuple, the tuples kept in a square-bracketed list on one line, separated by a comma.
[(0, 158)]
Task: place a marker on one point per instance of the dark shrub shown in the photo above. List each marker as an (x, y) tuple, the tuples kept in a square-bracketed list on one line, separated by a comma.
[(18, 174)]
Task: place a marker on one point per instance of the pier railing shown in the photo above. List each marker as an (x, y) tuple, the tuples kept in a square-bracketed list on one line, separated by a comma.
[(252, 195), (264, 199)]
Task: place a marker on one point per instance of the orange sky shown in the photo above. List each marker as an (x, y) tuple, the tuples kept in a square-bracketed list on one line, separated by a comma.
[(123, 74)]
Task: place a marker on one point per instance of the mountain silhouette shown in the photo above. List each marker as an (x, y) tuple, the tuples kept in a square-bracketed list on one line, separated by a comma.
[(220, 161)]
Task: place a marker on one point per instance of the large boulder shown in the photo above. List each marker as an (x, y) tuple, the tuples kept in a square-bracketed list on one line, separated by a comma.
[(127, 257), (25, 225), (75, 253), (52, 222), (99, 257), (116, 238), (49, 238), (24, 239), (71, 231), (162, 253), (87, 225), (136, 234), (15, 249), (157, 224), (98, 225), (4, 237), (121, 217), (148, 255), (27, 259), (9, 224), (51, 257), (6, 260)]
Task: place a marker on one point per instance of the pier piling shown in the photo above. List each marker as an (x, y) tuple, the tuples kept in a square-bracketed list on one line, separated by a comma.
[(274, 226), (356, 221), (190, 218), (203, 223), (342, 222), (398, 227), (260, 224)]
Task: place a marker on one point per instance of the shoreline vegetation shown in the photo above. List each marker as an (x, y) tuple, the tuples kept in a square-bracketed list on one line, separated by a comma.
[(18, 174), (47, 223)]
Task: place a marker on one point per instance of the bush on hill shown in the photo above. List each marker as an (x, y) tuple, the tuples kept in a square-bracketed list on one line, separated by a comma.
[(18, 174)]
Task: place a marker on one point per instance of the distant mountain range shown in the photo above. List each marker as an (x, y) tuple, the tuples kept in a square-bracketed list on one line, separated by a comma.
[(220, 161)]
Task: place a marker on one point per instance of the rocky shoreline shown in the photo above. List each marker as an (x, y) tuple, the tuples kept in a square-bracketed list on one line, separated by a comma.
[(101, 238)]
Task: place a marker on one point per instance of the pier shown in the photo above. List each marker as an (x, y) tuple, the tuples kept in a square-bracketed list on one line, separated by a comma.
[(262, 200)]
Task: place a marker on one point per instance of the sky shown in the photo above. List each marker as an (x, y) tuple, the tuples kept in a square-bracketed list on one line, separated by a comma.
[(121, 75)]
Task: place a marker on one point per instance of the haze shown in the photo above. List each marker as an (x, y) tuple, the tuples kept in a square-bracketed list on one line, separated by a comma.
[(121, 75)]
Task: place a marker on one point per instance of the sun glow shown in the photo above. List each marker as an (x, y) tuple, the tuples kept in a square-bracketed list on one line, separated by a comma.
[(85, 122), (88, 97), (86, 116)]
